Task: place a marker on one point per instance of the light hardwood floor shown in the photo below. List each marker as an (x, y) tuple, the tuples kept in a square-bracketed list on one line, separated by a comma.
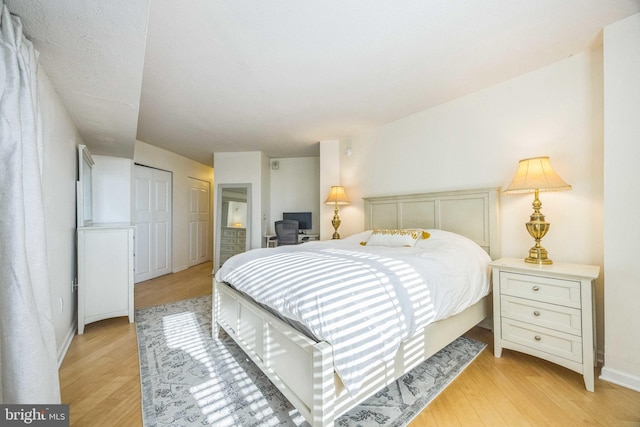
[(100, 378)]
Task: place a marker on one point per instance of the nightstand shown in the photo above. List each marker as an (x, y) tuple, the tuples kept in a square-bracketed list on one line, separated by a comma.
[(546, 311)]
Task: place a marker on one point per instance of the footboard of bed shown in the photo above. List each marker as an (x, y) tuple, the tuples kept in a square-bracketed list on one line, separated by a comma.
[(301, 368)]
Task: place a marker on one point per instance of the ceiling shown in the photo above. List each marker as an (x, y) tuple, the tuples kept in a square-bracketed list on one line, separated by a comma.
[(200, 76)]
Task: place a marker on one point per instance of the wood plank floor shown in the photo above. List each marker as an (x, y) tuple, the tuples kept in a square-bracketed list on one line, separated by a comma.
[(100, 378)]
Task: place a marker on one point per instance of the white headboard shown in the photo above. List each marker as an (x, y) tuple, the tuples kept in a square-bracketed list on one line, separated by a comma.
[(471, 213)]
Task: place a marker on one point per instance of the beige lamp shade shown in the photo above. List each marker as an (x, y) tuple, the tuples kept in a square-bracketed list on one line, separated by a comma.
[(534, 174), (337, 196)]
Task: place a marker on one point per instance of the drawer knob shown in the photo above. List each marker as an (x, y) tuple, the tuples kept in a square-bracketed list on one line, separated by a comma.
[(537, 338), (536, 288), (536, 313)]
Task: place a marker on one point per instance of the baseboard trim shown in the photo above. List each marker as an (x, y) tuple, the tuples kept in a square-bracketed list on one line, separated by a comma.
[(67, 343), (177, 269), (621, 378)]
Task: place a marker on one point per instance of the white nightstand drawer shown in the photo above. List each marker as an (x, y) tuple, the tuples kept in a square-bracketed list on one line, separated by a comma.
[(545, 289), (554, 343), (556, 317)]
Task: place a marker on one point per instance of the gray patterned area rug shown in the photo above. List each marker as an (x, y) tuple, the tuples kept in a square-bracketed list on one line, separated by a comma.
[(188, 379)]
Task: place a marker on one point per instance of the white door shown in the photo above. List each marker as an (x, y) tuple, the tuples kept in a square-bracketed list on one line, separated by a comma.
[(152, 212), (198, 221)]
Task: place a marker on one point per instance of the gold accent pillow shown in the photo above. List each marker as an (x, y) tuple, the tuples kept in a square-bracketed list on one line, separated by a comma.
[(395, 237)]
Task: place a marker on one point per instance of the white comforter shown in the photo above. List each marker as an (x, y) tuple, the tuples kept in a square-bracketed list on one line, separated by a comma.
[(363, 300)]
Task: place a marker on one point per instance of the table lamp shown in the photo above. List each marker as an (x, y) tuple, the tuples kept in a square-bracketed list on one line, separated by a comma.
[(337, 196), (534, 175)]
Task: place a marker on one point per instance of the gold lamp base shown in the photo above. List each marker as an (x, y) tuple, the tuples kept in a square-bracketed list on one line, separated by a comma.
[(336, 223), (537, 228), (538, 255)]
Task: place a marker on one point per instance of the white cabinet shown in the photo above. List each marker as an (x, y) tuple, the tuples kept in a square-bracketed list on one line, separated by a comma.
[(232, 241), (105, 273), (546, 311)]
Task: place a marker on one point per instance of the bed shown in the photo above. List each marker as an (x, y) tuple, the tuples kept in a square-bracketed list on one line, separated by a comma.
[(307, 369)]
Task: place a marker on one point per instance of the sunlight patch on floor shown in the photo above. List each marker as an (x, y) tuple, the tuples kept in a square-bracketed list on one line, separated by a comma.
[(216, 400)]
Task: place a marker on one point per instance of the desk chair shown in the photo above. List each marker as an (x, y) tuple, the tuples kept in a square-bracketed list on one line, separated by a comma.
[(287, 232)]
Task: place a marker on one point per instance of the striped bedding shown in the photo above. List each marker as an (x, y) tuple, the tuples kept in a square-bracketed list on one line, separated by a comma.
[(363, 300)]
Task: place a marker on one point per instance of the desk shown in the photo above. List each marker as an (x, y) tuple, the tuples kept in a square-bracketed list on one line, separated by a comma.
[(271, 241)]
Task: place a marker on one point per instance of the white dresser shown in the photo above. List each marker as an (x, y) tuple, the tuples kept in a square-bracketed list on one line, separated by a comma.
[(232, 241), (105, 273), (546, 311)]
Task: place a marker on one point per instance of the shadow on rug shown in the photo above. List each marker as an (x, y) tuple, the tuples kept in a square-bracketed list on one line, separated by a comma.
[(190, 379)]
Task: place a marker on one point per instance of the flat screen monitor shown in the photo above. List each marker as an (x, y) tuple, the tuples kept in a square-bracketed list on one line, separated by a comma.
[(303, 218)]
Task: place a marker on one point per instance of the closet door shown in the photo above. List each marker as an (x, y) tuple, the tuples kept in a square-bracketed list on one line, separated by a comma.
[(199, 202), (153, 222)]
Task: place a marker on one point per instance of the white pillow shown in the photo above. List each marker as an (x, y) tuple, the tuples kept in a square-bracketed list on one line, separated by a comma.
[(395, 237)]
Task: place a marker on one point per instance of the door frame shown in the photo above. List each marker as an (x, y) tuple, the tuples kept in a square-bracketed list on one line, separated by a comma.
[(217, 229)]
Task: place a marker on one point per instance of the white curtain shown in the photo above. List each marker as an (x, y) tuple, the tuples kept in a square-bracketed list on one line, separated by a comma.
[(28, 368)]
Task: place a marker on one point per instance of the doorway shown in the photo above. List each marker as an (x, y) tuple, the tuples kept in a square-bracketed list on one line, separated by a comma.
[(152, 218), (233, 221), (199, 202)]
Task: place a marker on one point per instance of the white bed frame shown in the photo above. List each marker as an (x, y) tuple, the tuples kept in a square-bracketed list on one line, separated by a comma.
[(302, 368)]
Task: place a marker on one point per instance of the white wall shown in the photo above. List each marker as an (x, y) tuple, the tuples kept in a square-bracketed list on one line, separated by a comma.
[(111, 189), (476, 142), (60, 169), (330, 176), (265, 194), (181, 168), (295, 187), (622, 202)]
